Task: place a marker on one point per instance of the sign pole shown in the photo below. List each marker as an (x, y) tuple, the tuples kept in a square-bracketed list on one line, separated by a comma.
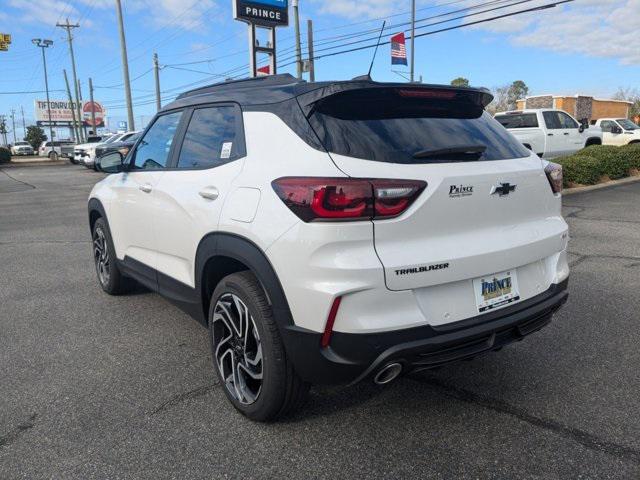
[(93, 108), (296, 24), (252, 50)]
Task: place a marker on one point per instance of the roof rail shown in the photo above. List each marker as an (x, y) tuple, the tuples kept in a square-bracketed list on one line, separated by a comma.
[(267, 80)]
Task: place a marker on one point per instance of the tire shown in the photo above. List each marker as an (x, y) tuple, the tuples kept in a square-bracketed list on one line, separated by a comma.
[(253, 368), (104, 256)]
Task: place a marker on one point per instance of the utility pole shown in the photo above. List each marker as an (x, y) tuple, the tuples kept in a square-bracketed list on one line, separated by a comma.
[(24, 128), (3, 130), (93, 111), (296, 24), (125, 66), (73, 113), (312, 66), (42, 44), (413, 38), (156, 74), (80, 113), (67, 26), (13, 124)]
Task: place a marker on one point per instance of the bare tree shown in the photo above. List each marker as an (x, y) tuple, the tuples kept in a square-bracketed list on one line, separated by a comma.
[(630, 95), (500, 101)]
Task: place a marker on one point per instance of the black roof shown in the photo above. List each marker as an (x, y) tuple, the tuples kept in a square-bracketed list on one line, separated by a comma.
[(279, 88)]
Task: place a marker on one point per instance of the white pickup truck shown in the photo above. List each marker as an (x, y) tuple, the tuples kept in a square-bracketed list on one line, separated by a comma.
[(618, 131), (549, 133)]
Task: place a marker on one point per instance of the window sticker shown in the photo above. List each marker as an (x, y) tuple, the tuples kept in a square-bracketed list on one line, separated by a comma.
[(226, 150)]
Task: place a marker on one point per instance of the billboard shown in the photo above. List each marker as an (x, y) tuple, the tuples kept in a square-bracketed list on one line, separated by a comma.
[(61, 112), (269, 13)]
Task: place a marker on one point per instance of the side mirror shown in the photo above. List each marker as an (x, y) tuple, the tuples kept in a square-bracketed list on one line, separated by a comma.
[(111, 162), (581, 128)]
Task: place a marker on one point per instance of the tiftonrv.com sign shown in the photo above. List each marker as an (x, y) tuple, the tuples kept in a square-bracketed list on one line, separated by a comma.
[(272, 13)]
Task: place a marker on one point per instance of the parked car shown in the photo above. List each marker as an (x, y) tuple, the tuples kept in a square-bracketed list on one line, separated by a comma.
[(334, 232), (85, 152), (618, 131), (57, 148), (92, 154), (22, 148), (123, 145), (549, 133)]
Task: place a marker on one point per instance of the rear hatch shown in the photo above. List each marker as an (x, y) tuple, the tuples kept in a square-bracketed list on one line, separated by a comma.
[(487, 207)]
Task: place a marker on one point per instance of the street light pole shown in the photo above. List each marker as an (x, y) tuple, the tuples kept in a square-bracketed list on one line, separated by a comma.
[(13, 124), (42, 44), (125, 66)]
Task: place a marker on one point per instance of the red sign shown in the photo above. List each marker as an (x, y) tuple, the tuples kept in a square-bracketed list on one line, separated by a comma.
[(98, 110), (264, 71)]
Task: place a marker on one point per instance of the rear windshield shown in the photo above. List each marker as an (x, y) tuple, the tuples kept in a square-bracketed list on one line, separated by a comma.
[(400, 125), (520, 120)]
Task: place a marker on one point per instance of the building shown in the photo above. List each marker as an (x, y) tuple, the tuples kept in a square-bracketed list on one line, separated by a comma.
[(579, 106)]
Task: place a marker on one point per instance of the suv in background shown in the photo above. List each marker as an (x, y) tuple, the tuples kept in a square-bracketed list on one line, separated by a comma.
[(22, 148), (549, 133), (334, 232), (85, 152), (618, 131), (57, 148)]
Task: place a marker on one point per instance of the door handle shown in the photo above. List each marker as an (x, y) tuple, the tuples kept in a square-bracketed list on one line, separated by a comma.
[(209, 193), (549, 134), (146, 188), (566, 133)]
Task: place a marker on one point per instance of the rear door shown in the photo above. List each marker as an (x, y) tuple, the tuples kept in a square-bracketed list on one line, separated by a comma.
[(480, 214), (191, 194)]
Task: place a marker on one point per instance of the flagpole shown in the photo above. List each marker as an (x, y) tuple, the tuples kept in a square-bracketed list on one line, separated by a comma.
[(413, 36)]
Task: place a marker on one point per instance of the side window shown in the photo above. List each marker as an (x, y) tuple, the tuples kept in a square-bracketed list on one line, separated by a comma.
[(153, 150), (551, 120), (567, 121), (213, 138), (606, 126)]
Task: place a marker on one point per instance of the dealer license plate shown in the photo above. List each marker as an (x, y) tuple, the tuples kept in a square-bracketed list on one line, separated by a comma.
[(496, 291)]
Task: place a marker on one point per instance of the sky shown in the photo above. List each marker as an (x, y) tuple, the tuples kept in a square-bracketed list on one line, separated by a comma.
[(586, 46)]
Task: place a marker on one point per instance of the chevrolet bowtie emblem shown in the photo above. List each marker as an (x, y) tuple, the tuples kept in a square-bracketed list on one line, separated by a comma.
[(503, 189)]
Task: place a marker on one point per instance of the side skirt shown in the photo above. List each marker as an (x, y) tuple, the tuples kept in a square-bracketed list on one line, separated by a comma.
[(182, 296)]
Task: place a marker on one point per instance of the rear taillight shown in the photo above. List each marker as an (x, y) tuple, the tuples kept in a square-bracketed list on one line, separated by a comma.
[(554, 175), (344, 199)]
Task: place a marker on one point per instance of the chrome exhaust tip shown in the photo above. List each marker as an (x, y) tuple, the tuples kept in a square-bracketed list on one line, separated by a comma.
[(388, 373)]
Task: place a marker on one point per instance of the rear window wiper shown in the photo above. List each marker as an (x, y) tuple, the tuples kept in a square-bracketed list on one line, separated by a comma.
[(462, 150)]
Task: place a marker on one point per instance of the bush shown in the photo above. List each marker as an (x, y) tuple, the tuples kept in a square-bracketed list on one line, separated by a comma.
[(615, 161), (5, 155), (581, 169), (632, 152)]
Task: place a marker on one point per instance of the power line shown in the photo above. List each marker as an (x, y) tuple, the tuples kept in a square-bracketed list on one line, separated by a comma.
[(533, 9)]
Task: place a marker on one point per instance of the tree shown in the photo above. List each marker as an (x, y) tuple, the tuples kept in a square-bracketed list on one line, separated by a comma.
[(35, 136), (460, 82), (500, 101), (630, 95), (517, 90)]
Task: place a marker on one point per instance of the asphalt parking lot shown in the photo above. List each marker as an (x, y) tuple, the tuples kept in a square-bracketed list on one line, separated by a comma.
[(93, 386)]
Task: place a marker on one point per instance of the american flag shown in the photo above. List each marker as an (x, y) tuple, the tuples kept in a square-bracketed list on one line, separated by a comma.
[(398, 50)]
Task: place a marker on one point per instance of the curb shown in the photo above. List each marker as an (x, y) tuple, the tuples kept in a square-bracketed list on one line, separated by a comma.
[(588, 188)]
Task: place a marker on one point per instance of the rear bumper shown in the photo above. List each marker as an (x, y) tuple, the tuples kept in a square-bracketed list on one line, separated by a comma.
[(353, 357)]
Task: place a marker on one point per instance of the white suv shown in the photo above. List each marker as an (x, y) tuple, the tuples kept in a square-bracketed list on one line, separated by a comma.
[(334, 232)]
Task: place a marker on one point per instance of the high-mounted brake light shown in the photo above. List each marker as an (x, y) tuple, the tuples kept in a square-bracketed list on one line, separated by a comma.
[(555, 176), (424, 93), (343, 199)]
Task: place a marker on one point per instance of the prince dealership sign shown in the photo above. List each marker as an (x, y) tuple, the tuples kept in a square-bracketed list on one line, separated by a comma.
[(270, 13)]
